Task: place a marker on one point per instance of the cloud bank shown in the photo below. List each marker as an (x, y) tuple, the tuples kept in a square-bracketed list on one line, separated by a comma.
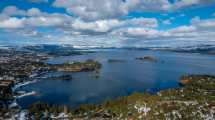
[(110, 22)]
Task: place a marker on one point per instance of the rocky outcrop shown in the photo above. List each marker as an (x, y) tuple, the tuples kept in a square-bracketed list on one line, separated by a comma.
[(88, 65), (147, 58)]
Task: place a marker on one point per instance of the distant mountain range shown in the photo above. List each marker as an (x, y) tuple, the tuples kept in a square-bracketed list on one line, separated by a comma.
[(203, 49)]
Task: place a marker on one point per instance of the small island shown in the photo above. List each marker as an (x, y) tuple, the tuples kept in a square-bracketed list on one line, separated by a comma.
[(115, 60), (146, 58)]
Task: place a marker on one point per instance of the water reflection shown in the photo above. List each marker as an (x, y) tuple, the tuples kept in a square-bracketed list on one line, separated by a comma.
[(121, 78)]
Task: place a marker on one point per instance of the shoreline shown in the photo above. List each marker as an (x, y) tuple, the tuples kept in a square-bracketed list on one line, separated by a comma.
[(164, 104), (27, 68), (14, 104)]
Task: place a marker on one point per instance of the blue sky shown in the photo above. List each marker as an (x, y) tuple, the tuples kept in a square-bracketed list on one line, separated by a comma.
[(109, 23)]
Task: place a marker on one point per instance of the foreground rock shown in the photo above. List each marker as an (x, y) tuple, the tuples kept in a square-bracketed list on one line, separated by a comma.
[(194, 101)]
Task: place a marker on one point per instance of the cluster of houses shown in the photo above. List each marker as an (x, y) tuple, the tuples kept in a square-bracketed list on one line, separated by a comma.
[(6, 92), (16, 67)]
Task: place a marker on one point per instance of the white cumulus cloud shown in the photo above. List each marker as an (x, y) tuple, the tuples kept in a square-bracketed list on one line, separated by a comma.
[(12, 23)]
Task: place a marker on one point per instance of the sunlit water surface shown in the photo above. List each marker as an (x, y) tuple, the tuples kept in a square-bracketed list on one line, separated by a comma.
[(120, 78)]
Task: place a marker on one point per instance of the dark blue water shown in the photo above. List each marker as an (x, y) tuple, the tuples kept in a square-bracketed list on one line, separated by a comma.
[(119, 79)]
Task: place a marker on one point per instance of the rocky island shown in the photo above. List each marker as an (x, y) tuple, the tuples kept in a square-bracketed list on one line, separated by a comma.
[(88, 65), (146, 58)]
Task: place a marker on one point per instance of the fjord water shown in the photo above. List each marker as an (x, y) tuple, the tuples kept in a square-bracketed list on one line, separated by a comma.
[(118, 78)]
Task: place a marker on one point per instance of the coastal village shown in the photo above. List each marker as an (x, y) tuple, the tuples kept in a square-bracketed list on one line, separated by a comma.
[(19, 68)]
